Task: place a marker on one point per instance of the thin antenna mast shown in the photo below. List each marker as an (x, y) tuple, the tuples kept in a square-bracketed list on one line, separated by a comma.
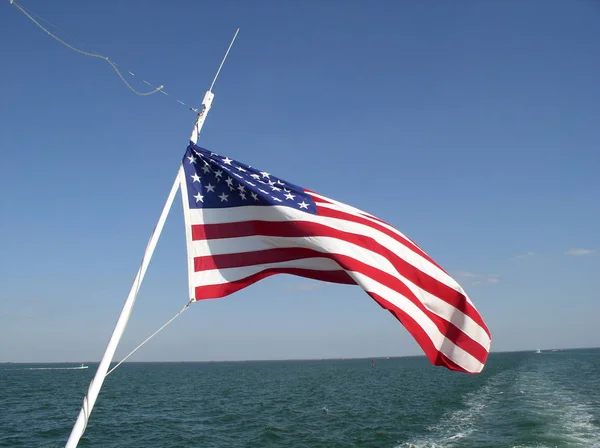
[(209, 96), (94, 389), (224, 58)]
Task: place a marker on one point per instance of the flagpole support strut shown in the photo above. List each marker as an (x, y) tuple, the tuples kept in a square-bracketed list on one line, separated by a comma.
[(101, 373)]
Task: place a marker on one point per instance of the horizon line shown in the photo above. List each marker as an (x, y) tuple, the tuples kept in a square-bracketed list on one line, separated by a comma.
[(288, 359)]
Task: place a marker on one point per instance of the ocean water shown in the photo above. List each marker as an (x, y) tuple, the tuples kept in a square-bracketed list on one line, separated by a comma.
[(551, 399)]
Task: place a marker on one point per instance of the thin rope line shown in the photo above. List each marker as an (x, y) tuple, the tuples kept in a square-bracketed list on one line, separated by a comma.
[(86, 53), (29, 14), (117, 67), (151, 336), (41, 19)]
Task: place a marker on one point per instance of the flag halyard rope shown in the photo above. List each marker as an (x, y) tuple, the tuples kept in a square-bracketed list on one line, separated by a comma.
[(185, 308), (118, 69)]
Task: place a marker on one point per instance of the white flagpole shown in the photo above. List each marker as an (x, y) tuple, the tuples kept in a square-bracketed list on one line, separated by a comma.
[(94, 389)]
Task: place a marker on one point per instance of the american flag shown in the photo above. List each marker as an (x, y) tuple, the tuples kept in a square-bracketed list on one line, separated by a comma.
[(244, 224)]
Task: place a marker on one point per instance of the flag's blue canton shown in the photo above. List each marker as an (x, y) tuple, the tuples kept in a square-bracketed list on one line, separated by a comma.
[(214, 181)]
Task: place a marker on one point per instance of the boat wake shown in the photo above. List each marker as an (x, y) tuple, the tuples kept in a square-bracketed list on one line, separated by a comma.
[(537, 407), (81, 367), (459, 424), (564, 415)]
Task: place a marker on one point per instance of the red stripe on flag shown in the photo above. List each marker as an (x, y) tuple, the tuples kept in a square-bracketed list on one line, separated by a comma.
[(433, 354), (300, 229), (256, 258), (338, 214), (224, 289)]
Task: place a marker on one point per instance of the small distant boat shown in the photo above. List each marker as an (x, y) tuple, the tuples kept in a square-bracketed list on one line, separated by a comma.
[(82, 366), (538, 351)]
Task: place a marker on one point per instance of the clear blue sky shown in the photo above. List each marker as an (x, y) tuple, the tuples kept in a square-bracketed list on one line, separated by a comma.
[(473, 127)]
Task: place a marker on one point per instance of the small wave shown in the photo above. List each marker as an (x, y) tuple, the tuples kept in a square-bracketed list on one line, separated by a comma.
[(537, 445), (460, 435), (418, 445)]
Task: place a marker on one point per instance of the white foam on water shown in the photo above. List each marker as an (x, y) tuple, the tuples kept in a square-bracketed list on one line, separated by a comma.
[(461, 423), (418, 445), (537, 445), (564, 414), (545, 410), (575, 423)]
